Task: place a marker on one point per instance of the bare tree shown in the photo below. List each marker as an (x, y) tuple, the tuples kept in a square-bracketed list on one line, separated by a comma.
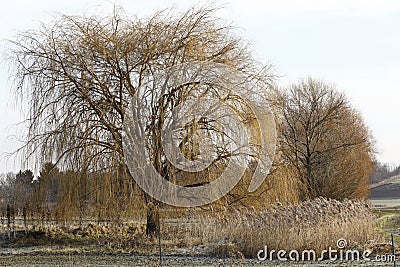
[(78, 74), (324, 139)]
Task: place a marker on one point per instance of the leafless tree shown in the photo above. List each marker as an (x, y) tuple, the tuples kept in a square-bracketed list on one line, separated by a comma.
[(77, 75), (325, 139)]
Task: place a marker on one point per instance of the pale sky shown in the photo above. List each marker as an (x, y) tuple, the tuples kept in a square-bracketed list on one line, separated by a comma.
[(354, 44)]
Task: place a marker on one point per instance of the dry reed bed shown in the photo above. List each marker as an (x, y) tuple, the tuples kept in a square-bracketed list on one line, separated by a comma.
[(316, 224)]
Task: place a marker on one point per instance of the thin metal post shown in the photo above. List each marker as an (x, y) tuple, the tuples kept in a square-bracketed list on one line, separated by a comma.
[(159, 242), (393, 251)]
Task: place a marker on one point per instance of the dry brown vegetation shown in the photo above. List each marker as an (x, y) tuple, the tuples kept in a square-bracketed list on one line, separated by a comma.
[(315, 224), (324, 140)]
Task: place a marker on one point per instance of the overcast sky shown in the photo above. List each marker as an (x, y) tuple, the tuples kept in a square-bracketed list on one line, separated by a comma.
[(354, 44)]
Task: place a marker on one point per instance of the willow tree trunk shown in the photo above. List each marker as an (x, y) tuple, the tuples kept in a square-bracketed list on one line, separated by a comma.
[(152, 220), (152, 210)]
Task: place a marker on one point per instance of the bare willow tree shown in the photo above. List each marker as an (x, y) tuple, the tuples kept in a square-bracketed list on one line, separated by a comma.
[(77, 75), (325, 139)]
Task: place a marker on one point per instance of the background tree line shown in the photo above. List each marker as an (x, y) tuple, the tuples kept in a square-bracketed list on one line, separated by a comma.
[(384, 171), (61, 196)]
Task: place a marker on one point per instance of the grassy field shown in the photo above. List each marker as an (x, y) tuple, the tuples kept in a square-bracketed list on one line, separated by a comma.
[(388, 218)]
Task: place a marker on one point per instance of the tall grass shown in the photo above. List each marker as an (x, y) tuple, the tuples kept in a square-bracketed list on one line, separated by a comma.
[(316, 225)]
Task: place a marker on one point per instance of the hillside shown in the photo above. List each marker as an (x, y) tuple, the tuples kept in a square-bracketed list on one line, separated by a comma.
[(389, 188)]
